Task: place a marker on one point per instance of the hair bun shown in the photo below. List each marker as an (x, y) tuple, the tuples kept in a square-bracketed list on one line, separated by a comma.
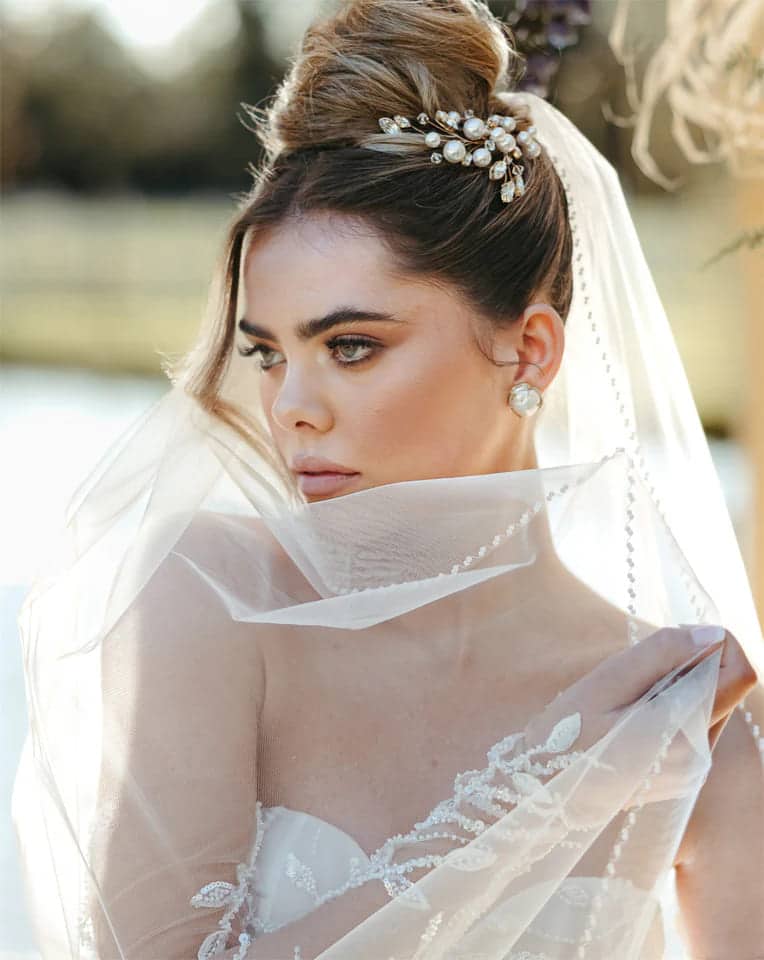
[(374, 58)]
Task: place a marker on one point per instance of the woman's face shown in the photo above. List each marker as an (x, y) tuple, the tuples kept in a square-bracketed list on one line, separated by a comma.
[(368, 378)]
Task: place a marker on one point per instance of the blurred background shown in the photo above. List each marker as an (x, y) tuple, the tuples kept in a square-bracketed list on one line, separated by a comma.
[(123, 156)]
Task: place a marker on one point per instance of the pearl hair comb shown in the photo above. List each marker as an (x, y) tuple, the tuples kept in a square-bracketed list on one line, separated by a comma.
[(496, 134)]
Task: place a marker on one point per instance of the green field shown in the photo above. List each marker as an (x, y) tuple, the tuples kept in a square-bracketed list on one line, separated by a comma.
[(109, 284)]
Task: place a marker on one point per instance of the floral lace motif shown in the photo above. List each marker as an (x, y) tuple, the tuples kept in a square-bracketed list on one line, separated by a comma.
[(511, 776)]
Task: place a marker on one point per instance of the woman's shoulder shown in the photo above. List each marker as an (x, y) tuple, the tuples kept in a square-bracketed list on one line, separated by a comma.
[(600, 616), (190, 581)]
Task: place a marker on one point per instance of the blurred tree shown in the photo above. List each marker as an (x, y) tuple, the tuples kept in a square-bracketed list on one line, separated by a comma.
[(72, 104), (194, 137), (78, 112), (19, 146)]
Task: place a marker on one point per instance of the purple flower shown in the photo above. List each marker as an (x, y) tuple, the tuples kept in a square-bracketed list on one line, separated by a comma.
[(542, 29)]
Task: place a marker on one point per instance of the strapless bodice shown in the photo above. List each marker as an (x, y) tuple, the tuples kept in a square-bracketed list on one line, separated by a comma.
[(303, 857), (303, 861), (300, 861)]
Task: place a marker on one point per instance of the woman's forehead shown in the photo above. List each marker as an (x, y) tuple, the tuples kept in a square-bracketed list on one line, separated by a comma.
[(302, 270), (316, 238)]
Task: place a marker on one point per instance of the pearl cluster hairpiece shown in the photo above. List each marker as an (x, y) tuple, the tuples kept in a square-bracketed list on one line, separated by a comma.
[(496, 133)]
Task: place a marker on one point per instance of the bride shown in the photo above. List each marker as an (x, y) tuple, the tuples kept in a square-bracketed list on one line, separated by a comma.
[(410, 622)]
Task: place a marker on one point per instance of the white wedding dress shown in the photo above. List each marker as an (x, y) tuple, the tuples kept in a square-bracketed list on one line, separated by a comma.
[(301, 861), (303, 858)]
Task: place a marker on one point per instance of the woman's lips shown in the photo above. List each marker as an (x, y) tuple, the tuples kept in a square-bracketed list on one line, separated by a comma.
[(325, 482)]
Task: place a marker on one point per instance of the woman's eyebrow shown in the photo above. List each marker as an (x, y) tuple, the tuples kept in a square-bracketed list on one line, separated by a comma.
[(307, 329)]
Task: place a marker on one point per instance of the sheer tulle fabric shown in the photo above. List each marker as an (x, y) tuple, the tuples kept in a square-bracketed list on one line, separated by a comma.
[(206, 751)]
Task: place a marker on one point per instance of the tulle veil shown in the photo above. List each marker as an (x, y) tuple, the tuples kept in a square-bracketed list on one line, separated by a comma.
[(185, 565)]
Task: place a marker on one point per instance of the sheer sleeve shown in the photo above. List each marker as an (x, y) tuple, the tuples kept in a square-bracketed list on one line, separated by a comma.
[(182, 688)]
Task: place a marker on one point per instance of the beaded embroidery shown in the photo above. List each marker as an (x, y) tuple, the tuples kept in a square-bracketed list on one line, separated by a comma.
[(509, 778)]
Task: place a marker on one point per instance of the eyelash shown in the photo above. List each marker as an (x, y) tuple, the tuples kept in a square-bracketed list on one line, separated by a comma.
[(262, 348)]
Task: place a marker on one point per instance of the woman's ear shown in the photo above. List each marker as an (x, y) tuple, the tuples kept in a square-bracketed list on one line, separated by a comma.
[(537, 340)]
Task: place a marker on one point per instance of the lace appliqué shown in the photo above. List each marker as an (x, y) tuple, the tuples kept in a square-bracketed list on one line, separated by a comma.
[(480, 797), (239, 899), (510, 777)]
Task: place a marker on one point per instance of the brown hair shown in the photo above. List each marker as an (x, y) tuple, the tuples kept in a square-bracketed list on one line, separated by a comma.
[(374, 58)]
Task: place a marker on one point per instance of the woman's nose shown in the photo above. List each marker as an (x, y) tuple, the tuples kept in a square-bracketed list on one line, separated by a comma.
[(298, 403)]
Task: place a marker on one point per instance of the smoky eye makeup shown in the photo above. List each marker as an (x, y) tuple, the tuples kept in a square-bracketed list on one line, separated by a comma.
[(261, 350), (352, 342), (348, 350)]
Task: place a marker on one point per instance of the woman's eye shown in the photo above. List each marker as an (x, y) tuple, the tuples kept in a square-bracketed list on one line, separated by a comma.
[(351, 346), (265, 352), (347, 352)]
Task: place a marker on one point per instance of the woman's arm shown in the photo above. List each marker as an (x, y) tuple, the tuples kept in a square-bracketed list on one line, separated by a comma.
[(182, 685), (720, 863)]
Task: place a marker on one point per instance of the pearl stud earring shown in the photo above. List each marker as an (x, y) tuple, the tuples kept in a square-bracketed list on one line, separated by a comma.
[(525, 399)]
